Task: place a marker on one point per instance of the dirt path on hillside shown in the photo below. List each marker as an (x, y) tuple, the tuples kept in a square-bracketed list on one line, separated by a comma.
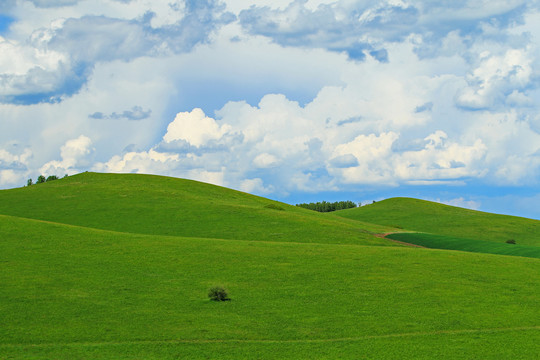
[(384, 236)]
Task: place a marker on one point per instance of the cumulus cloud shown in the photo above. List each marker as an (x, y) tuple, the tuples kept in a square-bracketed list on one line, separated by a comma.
[(151, 161), (294, 148), (29, 71), (14, 166), (58, 59), (195, 128), (444, 160), (265, 160), (371, 152), (9, 161), (361, 28), (386, 124), (76, 155), (439, 93), (513, 147), (344, 161), (255, 186), (497, 80), (340, 27)]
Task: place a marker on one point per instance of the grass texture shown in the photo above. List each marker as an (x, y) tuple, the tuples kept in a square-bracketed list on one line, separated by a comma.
[(452, 243), (77, 285), (440, 219)]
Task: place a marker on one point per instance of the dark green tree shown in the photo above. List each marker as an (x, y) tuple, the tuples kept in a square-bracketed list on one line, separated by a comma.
[(41, 179), (29, 182)]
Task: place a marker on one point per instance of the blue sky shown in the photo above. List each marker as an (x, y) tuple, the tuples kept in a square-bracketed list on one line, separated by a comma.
[(298, 101)]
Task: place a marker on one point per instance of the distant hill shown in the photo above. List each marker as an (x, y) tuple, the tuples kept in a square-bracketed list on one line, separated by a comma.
[(431, 217)]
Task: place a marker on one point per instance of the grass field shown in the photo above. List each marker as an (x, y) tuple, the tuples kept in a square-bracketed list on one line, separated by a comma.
[(452, 243), (125, 290), (435, 218)]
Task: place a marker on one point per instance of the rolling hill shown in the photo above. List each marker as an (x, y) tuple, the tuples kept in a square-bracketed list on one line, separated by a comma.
[(109, 266), (436, 218), (158, 205)]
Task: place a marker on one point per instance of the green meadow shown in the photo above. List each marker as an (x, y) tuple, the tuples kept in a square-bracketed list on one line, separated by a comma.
[(452, 243), (102, 266), (435, 218)]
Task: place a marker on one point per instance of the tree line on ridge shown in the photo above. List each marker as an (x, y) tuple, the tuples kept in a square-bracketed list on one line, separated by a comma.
[(325, 206)]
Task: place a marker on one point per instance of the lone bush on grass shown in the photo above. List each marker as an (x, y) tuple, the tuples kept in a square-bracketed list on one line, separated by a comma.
[(217, 293), (511, 241)]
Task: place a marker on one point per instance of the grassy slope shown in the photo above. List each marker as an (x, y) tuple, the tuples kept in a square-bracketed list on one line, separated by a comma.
[(146, 204), (69, 292), (452, 243), (435, 218), (84, 292)]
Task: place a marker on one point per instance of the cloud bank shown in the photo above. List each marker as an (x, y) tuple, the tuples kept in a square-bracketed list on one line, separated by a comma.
[(57, 60), (279, 98)]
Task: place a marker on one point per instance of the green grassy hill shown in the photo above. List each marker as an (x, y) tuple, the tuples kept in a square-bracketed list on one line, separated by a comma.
[(97, 267), (434, 241), (435, 218), (147, 204)]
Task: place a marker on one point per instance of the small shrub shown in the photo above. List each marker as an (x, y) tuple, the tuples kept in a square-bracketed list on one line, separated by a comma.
[(511, 241), (217, 293)]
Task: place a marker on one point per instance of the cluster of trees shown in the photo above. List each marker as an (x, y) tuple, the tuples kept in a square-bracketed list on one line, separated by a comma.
[(329, 206), (42, 179)]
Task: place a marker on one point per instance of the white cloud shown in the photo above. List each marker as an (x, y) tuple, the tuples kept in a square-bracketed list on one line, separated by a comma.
[(372, 153), (10, 177), (255, 186), (311, 96), (8, 159), (516, 170), (513, 147), (518, 99), (76, 155), (27, 69), (495, 77), (368, 130), (265, 160), (195, 128), (60, 55), (361, 28), (14, 167), (212, 177), (149, 162), (447, 161), (155, 162)]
